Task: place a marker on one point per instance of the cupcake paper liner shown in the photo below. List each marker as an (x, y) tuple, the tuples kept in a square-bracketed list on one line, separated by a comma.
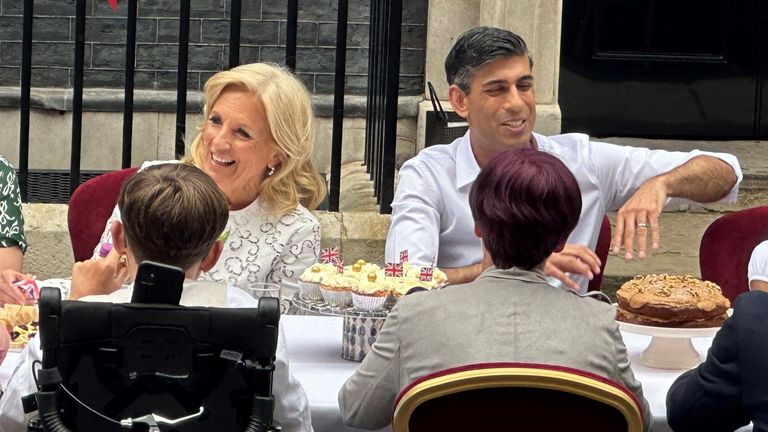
[(368, 302), (310, 290), (337, 299)]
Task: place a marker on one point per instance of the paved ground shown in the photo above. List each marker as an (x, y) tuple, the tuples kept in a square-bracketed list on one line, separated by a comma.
[(682, 227)]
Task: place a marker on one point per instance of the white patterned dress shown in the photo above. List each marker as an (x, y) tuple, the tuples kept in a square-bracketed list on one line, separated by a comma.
[(261, 246), (11, 218)]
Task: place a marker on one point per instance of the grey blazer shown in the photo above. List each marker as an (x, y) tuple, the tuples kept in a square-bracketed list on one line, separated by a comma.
[(503, 316)]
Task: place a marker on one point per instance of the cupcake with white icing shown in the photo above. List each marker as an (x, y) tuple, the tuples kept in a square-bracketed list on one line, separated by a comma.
[(309, 281), (370, 294), (337, 290)]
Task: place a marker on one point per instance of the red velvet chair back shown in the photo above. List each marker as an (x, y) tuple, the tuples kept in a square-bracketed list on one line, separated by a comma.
[(515, 396), (89, 209), (601, 249), (727, 245)]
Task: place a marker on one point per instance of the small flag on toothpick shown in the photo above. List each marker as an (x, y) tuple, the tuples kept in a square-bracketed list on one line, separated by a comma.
[(329, 255), (339, 266), (426, 274), (393, 269), (404, 256)]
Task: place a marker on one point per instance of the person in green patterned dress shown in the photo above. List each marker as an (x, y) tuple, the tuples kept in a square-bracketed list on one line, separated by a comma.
[(13, 243)]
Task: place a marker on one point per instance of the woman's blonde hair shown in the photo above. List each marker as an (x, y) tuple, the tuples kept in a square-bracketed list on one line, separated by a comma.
[(292, 124)]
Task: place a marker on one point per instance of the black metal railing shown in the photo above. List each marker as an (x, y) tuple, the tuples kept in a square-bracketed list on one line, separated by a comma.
[(381, 115), (383, 86)]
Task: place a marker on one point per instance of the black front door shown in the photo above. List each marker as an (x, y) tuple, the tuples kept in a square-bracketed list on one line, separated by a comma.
[(655, 68)]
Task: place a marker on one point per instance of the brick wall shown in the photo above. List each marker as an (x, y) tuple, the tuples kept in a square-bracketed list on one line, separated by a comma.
[(262, 39)]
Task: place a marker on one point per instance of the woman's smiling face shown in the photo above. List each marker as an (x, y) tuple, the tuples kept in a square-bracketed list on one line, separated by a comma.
[(238, 146)]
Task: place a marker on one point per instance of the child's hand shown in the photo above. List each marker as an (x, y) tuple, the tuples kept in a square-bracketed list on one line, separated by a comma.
[(98, 277)]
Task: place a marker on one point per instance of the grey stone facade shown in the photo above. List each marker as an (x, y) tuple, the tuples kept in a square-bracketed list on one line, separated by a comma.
[(263, 30)]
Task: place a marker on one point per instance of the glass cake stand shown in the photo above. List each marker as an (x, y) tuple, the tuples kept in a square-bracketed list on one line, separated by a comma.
[(670, 348), (360, 328)]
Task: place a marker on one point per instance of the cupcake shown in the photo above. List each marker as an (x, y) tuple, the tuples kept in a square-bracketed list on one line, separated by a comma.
[(360, 269), (337, 290), (439, 278), (309, 282), (370, 294)]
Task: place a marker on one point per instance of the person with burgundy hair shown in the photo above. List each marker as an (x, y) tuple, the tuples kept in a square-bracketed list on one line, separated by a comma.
[(525, 204), (513, 204)]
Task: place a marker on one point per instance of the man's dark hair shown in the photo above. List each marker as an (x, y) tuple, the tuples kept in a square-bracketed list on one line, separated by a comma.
[(172, 214), (525, 202), (478, 46)]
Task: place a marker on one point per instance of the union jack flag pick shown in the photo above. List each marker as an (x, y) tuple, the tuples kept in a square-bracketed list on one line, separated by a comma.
[(426, 274), (339, 266), (28, 287), (393, 269), (329, 255), (404, 256)]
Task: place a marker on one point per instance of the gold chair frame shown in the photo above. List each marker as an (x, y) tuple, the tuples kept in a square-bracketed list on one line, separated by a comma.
[(556, 378)]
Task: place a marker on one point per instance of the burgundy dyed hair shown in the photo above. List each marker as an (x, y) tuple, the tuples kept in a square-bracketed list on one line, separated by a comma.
[(525, 202)]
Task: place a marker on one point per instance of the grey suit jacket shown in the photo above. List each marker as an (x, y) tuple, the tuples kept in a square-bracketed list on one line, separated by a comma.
[(503, 316)]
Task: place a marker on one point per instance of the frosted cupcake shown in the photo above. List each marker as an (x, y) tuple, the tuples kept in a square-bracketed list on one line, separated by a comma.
[(370, 294), (360, 269), (438, 276), (337, 290), (309, 282)]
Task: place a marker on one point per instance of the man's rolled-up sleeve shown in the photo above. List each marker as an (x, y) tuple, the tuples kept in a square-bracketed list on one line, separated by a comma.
[(621, 170)]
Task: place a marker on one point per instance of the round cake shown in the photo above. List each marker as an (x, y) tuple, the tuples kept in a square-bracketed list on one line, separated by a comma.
[(671, 301)]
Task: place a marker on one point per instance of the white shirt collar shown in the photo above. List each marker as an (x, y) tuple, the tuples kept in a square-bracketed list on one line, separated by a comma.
[(467, 168)]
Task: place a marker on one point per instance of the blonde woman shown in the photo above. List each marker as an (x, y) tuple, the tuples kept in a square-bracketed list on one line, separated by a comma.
[(255, 142)]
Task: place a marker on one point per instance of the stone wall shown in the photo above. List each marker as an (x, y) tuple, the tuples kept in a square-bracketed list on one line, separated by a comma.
[(263, 30), (356, 234)]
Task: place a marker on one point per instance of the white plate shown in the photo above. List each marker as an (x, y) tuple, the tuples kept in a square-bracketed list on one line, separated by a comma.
[(668, 332)]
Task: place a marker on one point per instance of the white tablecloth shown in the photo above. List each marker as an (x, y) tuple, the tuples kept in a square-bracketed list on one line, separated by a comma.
[(314, 346), (314, 350)]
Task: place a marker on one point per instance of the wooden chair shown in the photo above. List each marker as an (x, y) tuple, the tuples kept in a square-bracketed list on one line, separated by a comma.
[(727, 245), (601, 249), (89, 209), (515, 396)]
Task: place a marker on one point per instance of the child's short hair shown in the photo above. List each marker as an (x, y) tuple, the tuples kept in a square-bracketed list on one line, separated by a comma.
[(172, 213)]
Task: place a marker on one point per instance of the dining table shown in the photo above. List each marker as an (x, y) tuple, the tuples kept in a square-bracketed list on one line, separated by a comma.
[(314, 354)]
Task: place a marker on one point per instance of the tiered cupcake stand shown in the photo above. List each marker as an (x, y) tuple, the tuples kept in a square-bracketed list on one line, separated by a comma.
[(360, 329)]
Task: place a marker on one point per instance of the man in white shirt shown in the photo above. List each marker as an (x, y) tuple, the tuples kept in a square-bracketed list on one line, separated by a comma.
[(491, 85), (173, 214)]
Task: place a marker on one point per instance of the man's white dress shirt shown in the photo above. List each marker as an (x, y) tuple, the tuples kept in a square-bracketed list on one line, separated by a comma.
[(430, 211)]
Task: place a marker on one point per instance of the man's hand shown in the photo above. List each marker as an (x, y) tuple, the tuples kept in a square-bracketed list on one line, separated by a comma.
[(98, 277), (639, 215), (574, 259), (702, 179), (8, 292)]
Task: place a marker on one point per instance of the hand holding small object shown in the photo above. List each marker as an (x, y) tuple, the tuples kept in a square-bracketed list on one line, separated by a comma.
[(10, 280)]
